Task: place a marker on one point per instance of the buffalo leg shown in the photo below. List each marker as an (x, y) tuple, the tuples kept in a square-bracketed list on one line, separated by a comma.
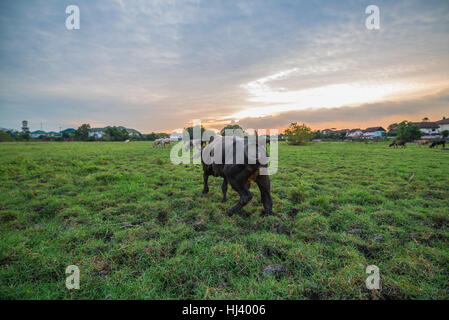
[(244, 193), (224, 189), (263, 182), (206, 187)]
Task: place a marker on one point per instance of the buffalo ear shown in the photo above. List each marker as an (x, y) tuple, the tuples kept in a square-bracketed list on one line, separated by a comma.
[(211, 139)]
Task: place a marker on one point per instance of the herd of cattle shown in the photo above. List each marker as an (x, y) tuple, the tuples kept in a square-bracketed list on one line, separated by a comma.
[(402, 143), (161, 142), (240, 175)]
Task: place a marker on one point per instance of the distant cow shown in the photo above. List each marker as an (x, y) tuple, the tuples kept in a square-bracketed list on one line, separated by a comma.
[(239, 176), (398, 143), (436, 143), (161, 142), (156, 142), (421, 142), (165, 141)]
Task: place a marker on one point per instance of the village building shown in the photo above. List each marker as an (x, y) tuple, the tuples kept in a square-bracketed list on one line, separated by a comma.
[(373, 133), (428, 127), (354, 133), (38, 133), (443, 124), (97, 133)]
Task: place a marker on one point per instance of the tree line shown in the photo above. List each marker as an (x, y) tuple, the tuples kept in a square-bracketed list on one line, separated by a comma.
[(295, 134)]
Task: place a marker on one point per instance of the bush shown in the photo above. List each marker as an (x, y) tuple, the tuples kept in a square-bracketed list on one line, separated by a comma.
[(6, 136), (298, 134), (408, 131)]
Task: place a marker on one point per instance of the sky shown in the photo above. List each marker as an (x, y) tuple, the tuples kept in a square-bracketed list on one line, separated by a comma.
[(158, 65)]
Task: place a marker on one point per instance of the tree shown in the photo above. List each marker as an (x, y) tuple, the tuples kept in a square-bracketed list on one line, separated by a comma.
[(117, 133), (190, 131), (23, 136), (342, 135), (298, 134), (82, 133), (6, 136), (408, 131), (392, 130), (445, 133), (231, 127), (318, 135)]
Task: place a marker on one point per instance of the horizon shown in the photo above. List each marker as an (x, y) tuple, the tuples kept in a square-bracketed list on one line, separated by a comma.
[(245, 128), (155, 66)]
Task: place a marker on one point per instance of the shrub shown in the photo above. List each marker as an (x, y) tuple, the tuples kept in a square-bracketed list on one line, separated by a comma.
[(298, 134)]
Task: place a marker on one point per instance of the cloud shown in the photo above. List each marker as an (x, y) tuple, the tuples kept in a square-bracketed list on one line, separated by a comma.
[(155, 65), (382, 113)]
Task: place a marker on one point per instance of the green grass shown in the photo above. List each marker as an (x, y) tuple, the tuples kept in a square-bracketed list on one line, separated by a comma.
[(138, 227)]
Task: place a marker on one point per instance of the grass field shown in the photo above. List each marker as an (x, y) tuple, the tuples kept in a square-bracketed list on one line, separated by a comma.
[(138, 227)]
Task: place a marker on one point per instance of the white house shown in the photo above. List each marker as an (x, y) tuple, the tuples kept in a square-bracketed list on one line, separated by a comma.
[(373, 133), (38, 133), (175, 136), (354, 133), (326, 131), (428, 127), (444, 124), (97, 133)]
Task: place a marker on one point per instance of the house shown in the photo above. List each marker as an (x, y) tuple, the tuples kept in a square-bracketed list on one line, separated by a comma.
[(373, 133), (175, 136), (97, 133), (428, 127), (443, 124), (68, 131), (354, 133), (53, 134), (38, 133), (133, 133), (326, 131)]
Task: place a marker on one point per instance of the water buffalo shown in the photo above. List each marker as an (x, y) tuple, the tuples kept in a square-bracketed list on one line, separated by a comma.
[(398, 143), (436, 143), (421, 142), (238, 175)]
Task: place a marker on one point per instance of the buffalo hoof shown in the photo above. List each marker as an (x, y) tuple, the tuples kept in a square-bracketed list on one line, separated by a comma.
[(205, 191), (266, 213), (223, 200), (230, 212)]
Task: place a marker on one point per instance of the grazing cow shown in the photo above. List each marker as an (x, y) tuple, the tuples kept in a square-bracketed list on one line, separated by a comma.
[(421, 142), (436, 143), (161, 142), (239, 176), (398, 143), (165, 141), (126, 141), (156, 142)]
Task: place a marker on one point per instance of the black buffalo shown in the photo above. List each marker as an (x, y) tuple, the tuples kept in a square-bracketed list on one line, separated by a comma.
[(239, 176), (436, 143)]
